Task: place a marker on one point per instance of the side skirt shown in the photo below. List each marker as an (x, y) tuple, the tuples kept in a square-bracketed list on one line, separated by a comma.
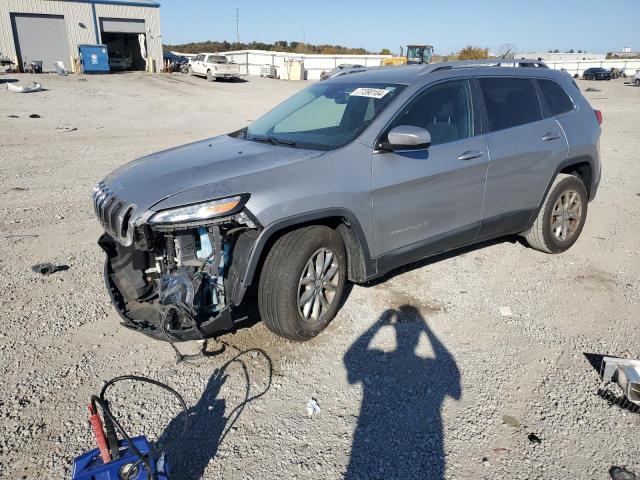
[(504, 225)]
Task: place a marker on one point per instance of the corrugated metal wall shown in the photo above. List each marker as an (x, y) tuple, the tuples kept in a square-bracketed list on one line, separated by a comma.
[(79, 23)]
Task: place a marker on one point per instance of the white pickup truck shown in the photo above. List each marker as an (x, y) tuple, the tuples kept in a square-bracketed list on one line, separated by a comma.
[(214, 67)]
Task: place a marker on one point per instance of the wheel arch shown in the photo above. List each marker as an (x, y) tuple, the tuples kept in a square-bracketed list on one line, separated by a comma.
[(580, 166), (359, 263)]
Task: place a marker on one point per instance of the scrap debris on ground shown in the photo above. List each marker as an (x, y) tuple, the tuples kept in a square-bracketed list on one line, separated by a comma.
[(34, 87), (48, 268)]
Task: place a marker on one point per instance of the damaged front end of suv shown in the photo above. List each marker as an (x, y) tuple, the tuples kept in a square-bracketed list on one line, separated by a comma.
[(172, 274)]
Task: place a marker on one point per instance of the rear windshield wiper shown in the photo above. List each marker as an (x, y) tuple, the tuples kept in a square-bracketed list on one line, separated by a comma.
[(274, 141)]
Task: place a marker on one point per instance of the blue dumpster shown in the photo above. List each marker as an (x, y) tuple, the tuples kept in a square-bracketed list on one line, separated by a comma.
[(94, 58)]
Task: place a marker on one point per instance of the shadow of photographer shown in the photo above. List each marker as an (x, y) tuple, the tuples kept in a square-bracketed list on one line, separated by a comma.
[(400, 431)]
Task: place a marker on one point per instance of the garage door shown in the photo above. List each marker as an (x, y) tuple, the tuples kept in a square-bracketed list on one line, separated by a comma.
[(121, 25), (40, 38)]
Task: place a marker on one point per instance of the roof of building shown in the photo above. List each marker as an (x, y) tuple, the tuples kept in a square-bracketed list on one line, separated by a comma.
[(129, 3)]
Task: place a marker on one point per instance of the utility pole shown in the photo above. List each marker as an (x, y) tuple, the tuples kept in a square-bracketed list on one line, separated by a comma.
[(237, 26)]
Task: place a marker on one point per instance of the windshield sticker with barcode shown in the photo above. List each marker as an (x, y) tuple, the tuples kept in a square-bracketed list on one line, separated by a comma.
[(369, 92)]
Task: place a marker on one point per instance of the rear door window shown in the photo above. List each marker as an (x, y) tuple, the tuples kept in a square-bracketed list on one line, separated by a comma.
[(510, 102), (557, 100)]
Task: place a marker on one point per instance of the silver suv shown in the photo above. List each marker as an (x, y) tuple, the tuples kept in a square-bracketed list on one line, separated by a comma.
[(345, 181)]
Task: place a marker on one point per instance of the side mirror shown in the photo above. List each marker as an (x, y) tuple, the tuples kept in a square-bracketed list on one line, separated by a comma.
[(407, 137)]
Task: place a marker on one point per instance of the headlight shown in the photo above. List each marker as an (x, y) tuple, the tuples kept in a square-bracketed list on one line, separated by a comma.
[(199, 211)]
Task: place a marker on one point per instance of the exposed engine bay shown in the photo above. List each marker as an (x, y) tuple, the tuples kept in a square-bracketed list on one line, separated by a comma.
[(179, 282)]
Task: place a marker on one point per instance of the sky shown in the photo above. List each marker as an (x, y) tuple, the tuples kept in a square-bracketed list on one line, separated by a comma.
[(541, 25)]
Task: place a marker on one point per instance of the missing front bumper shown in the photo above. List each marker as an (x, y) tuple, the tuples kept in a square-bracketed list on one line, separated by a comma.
[(148, 319)]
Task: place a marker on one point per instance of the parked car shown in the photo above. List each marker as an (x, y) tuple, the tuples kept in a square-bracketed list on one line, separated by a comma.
[(596, 73), (339, 70), (175, 63), (214, 67), (617, 73), (345, 181), (174, 59), (120, 61)]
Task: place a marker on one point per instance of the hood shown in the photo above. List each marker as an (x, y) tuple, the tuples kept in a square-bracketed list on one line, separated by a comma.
[(218, 163)]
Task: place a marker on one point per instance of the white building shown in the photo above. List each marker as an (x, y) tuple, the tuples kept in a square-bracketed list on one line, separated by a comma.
[(51, 30), (563, 57), (252, 61)]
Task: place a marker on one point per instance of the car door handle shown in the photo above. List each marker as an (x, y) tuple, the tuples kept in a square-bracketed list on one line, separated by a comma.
[(551, 136), (470, 154)]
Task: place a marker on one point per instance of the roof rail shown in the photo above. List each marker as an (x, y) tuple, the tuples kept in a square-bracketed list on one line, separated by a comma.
[(488, 62)]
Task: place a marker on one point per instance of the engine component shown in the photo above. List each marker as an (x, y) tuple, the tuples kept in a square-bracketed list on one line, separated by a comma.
[(177, 290)]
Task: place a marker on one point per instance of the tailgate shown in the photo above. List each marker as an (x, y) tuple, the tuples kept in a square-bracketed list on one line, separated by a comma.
[(228, 68)]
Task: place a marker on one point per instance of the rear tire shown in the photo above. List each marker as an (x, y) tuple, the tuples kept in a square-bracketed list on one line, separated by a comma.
[(210, 76), (302, 282), (637, 82), (562, 216)]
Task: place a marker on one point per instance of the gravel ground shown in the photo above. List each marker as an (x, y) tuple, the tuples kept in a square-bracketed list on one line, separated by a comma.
[(419, 376)]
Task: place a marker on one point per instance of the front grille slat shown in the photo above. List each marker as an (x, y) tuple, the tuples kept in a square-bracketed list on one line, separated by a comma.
[(106, 209), (112, 213), (113, 216), (101, 207)]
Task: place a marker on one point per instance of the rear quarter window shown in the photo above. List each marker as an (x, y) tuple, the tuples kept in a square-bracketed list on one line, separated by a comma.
[(557, 99), (510, 102)]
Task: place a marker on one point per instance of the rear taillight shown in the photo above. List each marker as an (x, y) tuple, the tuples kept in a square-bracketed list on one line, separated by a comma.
[(598, 116)]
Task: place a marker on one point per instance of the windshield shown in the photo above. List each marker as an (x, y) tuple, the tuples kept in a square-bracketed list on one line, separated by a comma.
[(416, 54), (324, 116)]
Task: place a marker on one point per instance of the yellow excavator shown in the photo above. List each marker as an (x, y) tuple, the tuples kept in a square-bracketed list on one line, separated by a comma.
[(416, 55)]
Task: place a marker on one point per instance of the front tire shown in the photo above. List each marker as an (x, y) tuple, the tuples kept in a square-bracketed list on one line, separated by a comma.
[(210, 76), (190, 70), (637, 82), (302, 282), (562, 216)]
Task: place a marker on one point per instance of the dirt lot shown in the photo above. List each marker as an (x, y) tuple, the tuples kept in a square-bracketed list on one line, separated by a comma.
[(413, 377)]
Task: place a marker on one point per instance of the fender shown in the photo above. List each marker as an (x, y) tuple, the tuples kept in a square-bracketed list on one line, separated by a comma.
[(268, 233)]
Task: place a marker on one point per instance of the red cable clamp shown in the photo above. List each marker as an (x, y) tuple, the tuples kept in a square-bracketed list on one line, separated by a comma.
[(98, 431)]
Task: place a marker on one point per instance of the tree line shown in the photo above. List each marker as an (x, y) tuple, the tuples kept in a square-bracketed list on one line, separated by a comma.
[(279, 46), (469, 52)]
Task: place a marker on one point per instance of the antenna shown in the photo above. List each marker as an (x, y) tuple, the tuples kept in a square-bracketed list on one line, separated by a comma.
[(507, 51), (237, 26)]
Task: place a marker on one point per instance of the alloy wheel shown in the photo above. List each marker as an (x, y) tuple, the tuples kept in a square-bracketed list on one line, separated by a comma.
[(318, 284), (566, 215)]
